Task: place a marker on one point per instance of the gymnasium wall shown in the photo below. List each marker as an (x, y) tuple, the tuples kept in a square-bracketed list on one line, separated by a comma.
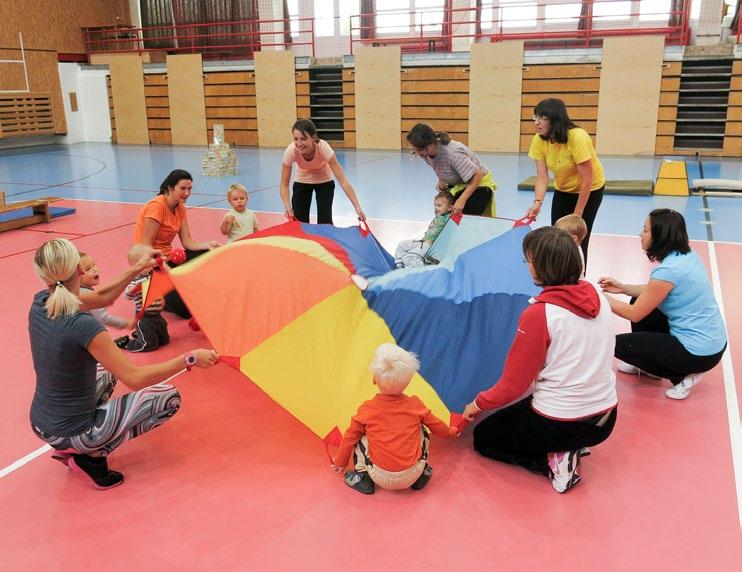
[(55, 24), (49, 28), (440, 95)]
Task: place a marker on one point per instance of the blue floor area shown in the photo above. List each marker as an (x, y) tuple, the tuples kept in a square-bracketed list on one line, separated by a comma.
[(390, 184)]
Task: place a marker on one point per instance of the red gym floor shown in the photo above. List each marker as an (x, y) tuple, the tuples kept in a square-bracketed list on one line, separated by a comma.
[(233, 482)]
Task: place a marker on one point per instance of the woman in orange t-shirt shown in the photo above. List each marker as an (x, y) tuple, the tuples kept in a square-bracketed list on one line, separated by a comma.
[(164, 217)]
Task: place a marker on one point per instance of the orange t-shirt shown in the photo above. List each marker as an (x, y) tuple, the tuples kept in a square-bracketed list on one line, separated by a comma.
[(170, 222), (392, 426)]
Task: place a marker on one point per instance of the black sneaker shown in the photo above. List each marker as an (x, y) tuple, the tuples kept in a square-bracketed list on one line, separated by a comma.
[(95, 470), (360, 481), (423, 479), (122, 341)]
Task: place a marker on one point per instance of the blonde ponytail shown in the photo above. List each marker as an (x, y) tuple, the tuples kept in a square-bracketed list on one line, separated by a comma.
[(56, 262)]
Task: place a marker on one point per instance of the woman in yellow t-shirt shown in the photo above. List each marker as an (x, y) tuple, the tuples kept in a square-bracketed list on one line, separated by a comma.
[(567, 151)]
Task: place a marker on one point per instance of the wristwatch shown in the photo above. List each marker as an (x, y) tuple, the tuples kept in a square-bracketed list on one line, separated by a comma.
[(190, 360)]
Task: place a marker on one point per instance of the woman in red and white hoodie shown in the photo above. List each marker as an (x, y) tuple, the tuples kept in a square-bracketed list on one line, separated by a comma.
[(557, 393)]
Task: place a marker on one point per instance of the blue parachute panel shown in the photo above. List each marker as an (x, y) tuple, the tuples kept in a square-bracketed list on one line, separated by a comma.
[(495, 266), (460, 316), (368, 256), (470, 231), (462, 347)]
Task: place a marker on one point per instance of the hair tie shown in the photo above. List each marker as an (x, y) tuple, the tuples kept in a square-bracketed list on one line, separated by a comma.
[(59, 283)]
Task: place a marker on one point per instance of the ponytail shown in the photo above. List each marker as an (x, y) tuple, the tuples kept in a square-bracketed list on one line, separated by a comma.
[(55, 263), (421, 135), (443, 137)]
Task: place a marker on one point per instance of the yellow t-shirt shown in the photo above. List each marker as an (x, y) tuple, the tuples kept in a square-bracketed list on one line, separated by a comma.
[(562, 159)]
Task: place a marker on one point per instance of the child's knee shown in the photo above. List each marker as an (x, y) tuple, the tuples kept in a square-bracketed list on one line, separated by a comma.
[(172, 397)]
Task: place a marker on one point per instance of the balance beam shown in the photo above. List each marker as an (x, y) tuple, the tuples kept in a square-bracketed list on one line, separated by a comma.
[(39, 212), (636, 188)]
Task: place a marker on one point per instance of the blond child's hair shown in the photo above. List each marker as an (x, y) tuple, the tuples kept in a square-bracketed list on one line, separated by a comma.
[(56, 262), (236, 187), (393, 368), (574, 225)]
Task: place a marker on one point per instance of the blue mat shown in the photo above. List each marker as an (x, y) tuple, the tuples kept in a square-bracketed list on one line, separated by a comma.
[(55, 212)]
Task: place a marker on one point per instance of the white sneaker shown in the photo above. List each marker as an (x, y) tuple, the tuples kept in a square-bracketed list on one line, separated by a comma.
[(682, 389), (633, 370), (563, 467)]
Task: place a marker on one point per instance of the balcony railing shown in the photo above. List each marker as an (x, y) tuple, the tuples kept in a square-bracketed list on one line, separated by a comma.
[(215, 40), (541, 23)]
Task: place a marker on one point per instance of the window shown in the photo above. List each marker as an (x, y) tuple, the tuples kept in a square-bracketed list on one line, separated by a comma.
[(655, 10), (695, 9), (427, 16), (518, 14), (609, 10), (564, 14), (392, 17), (324, 18), (293, 6), (347, 9), (486, 16)]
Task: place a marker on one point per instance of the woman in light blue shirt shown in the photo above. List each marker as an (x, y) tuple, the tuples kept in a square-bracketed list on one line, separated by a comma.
[(676, 328)]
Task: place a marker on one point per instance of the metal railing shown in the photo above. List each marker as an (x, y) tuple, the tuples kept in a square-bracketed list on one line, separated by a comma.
[(229, 40), (541, 23)]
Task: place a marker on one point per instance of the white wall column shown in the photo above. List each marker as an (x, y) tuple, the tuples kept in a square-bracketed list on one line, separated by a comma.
[(708, 30), (462, 44), (92, 120)]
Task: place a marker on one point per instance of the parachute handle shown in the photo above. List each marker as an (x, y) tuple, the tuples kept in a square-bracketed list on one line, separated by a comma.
[(363, 228), (525, 221)]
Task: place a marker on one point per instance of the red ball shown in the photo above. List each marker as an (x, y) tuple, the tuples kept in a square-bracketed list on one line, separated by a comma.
[(177, 256)]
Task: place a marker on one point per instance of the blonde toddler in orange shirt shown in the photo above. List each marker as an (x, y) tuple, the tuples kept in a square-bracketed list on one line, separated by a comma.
[(387, 434)]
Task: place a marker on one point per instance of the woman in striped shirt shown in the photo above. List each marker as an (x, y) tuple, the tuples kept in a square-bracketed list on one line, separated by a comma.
[(459, 170)]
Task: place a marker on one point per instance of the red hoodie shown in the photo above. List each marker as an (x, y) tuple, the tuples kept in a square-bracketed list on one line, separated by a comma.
[(563, 352)]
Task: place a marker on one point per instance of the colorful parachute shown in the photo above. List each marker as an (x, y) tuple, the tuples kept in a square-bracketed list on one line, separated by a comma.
[(282, 306)]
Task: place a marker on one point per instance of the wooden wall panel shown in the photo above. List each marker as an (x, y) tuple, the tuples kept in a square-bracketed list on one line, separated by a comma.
[(26, 114), (127, 86), (668, 108), (630, 82), (349, 107), (237, 113), (578, 87), (186, 98), (733, 132), (303, 108), (495, 83), (55, 24), (232, 90), (43, 76), (423, 101), (275, 94), (378, 97)]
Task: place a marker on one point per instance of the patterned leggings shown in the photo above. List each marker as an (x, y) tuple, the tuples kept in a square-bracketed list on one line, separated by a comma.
[(117, 421)]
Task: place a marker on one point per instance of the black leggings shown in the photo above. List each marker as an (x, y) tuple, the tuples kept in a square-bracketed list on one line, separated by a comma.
[(173, 302), (301, 201), (517, 435), (563, 204), (478, 201), (651, 348)]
